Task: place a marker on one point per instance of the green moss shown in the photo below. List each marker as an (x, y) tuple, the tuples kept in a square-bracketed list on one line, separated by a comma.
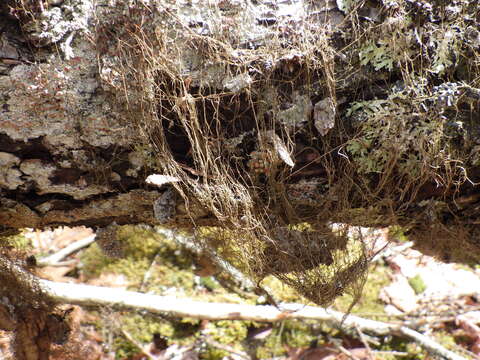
[(446, 339), (398, 233), (417, 284), (402, 345), (227, 332), (230, 333), (281, 291), (139, 328), (369, 303), (18, 241), (142, 327), (123, 349), (133, 269), (272, 346), (210, 283), (170, 267), (212, 353), (94, 262), (288, 334), (298, 333), (140, 243), (141, 247)]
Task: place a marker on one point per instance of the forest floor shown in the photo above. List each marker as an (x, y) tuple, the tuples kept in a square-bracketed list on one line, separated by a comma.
[(404, 287)]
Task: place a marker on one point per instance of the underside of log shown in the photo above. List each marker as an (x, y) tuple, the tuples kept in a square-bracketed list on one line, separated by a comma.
[(271, 121)]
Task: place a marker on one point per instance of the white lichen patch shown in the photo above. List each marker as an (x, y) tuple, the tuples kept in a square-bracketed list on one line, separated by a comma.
[(55, 22)]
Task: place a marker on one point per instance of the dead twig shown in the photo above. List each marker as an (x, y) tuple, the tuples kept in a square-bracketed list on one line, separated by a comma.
[(143, 349), (226, 348), (54, 259), (121, 299), (365, 343), (345, 352), (427, 343), (148, 274), (392, 353)]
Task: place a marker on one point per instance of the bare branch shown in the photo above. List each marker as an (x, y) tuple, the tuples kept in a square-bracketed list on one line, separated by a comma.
[(55, 258), (142, 348), (120, 299), (428, 344), (239, 354)]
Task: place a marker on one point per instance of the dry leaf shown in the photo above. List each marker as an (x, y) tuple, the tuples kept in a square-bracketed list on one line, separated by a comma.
[(55, 273), (279, 147), (111, 280), (282, 151), (400, 294), (204, 266)]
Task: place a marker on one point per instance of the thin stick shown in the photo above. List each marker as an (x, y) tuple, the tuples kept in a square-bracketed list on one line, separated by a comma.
[(148, 274), (55, 258), (121, 299), (428, 344), (393, 353), (227, 348), (346, 352), (364, 340), (138, 345), (88, 295)]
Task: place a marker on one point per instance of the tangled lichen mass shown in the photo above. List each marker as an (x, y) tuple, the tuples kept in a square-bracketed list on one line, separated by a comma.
[(229, 116), (277, 120)]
